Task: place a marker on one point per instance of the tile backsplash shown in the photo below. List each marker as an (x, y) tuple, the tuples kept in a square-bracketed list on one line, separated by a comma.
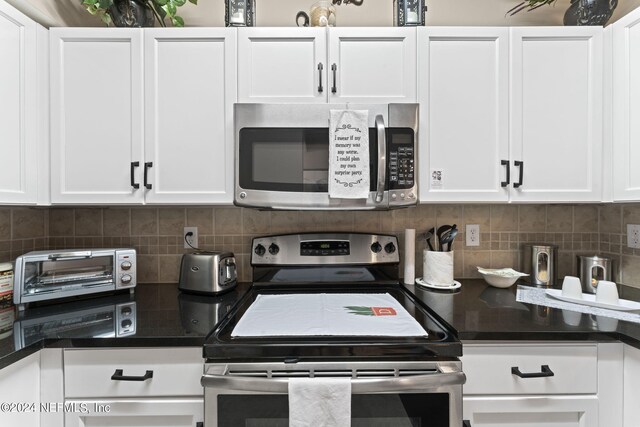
[(156, 232)]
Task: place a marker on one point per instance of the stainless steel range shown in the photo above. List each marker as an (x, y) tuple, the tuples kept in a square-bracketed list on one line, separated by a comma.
[(330, 305)]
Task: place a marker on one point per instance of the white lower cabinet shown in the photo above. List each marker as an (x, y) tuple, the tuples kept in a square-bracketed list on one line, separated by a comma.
[(20, 393), (133, 387), (135, 412), (542, 384), (631, 393)]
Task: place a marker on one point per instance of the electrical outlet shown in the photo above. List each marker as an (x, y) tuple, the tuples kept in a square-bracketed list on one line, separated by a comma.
[(472, 234), (633, 236), (191, 239)]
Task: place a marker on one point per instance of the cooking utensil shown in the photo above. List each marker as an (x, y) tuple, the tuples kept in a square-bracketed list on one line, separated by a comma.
[(448, 237), (428, 236), (441, 233)]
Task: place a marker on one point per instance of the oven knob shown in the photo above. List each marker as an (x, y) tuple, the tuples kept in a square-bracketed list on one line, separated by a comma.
[(126, 278), (274, 249), (126, 311), (389, 248), (125, 265), (376, 247), (259, 250), (126, 323)]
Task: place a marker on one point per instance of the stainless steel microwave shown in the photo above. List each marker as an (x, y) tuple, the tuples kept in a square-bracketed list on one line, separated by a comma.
[(48, 275), (282, 156)]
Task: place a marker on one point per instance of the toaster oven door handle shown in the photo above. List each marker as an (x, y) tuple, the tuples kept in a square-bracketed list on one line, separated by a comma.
[(358, 386), (382, 157), (71, 255)]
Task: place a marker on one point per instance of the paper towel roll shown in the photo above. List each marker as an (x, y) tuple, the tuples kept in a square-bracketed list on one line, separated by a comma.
[(409, 256)]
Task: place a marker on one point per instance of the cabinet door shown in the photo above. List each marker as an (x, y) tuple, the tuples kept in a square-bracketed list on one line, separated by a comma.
[(282, 65), (20, 385), (96, 115), (626, 107), (131, 412), (556, 113), (190, 80), (538, 411), (372, 65), (631, 393), (19, 108), (463, 86)]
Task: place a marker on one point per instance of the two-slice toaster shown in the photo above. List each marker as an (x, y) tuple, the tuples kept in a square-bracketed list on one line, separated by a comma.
[(208, 273)]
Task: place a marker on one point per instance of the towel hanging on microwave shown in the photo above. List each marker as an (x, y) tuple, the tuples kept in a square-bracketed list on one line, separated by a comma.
[(349, 154)]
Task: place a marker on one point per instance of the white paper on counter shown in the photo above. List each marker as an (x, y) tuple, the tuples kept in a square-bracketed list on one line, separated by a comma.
[(325, 314)]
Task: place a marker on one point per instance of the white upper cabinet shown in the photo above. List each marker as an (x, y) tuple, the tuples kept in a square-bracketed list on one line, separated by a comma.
[(121, 135), (372, 65), (20, 111), (556, 114), (360, 65), (96, 115), (463, 88), (626, 107), (190, 88)]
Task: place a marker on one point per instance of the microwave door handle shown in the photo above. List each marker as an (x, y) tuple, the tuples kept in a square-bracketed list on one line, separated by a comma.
[(358, 386), (382, 157)]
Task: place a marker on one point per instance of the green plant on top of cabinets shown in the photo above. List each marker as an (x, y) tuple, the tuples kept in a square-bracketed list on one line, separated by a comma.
[(136, 13)]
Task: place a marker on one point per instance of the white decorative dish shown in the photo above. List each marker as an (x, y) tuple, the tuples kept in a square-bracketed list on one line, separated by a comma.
[(500, 277), (590, 299), (455, 285)]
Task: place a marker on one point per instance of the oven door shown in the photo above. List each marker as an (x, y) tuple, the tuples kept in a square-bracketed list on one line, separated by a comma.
[(411, 394), (282, 157)]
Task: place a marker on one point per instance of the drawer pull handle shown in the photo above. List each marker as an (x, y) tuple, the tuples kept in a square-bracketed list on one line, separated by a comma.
[(117, 376), (545, 371)]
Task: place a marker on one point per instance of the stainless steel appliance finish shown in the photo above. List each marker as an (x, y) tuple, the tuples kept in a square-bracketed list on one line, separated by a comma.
[(395, 380), (208, 272), (593, 269), (105, 317), (297, 177), (48, 275), (540, 263)]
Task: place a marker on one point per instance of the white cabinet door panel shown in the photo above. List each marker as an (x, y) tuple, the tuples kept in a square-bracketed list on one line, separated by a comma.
[(190, 91), (626, 107), (18, 107), (20, 384), (281, 65), (464, 110), (135, 413), (373, 65), (97, 114), (556, 106), (527, 411)]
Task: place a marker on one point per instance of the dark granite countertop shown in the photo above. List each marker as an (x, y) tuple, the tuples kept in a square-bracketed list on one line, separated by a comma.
[(166, 317)]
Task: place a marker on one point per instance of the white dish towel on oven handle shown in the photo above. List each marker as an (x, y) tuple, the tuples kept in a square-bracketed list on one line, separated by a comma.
[(319, 402)]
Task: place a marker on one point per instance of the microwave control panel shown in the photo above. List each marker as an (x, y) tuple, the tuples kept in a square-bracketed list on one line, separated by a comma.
[(401, 160)]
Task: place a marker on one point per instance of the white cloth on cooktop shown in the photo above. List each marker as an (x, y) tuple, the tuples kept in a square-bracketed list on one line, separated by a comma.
[(327, 314), (319, 402)]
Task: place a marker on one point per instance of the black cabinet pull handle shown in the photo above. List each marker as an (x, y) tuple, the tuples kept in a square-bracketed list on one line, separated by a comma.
[(320, 67), (200, 424), (506, 163), (334, 67), (117, 376), (466, 423), (545, 371), (134, 184), (520, 165), (147, 165)]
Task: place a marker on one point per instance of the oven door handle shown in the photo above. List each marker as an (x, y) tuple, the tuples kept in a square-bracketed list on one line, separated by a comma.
[(382, 157), (358, 386), (71, 255)]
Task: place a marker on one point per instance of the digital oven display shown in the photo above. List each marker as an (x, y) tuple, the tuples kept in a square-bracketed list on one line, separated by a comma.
[(324, 248)]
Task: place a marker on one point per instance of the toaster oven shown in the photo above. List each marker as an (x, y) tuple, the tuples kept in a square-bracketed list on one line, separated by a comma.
[(49, 275)]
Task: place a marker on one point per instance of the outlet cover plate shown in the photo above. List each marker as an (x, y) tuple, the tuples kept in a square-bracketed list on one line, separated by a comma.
[(191, 239), (633, 236), (472, 234)]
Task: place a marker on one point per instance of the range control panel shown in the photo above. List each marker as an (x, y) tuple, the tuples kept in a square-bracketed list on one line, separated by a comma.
[(325, 248)]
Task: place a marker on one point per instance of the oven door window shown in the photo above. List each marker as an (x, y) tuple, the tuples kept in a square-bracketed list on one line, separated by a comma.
[(370, 410), (291, 159)]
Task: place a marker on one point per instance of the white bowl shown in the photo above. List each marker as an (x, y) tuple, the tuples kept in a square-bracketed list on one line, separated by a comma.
[(500, 277)]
